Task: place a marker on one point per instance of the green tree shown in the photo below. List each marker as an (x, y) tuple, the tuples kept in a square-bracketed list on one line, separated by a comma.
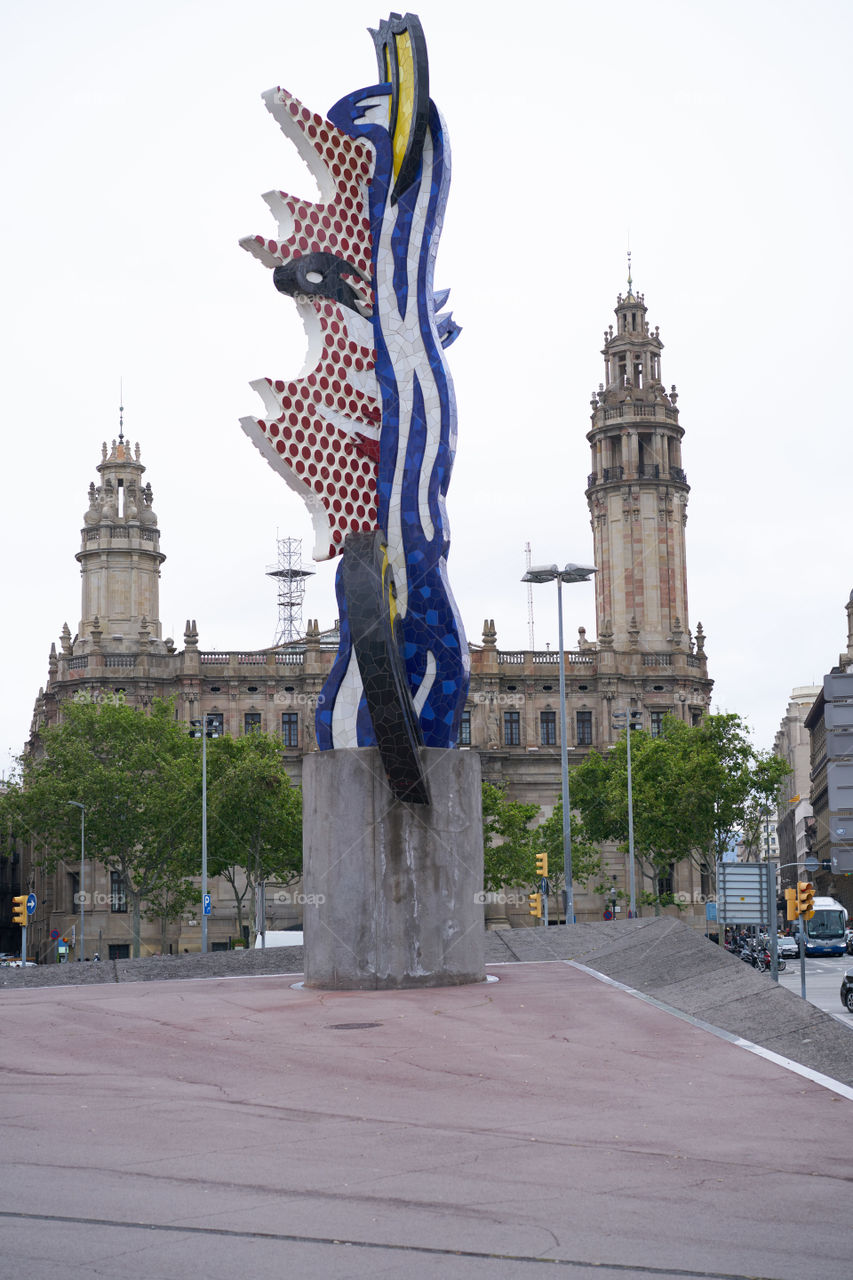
[(507, 840), (254, 817), (511, 841), (586, 858), (694, 787), (132, 771)]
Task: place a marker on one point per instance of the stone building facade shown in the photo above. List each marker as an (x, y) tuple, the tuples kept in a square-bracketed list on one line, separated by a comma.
[(828, 723), (645, 659), (795, 820)]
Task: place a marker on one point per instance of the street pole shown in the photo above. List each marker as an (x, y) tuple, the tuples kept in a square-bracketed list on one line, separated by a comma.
[(628, 717), (801, 928), (203, 833), (633, 880), (82, 894), (571, 573), (564, 763), (774, 923)]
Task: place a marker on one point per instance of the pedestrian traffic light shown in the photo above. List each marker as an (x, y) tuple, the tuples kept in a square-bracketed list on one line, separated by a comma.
[(19, 909), (536, 904), (791, 904), (542, 864), (805, 899)]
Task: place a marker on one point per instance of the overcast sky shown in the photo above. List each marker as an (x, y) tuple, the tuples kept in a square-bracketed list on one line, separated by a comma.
[(716, 135)]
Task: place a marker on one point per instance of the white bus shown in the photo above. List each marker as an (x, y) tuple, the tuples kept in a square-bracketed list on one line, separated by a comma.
[(826, 931)]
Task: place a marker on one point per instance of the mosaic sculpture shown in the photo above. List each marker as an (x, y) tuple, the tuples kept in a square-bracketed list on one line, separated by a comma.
[(366, 435)]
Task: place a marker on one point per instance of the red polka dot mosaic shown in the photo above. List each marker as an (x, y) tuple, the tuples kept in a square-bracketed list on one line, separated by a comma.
[(339, 465)]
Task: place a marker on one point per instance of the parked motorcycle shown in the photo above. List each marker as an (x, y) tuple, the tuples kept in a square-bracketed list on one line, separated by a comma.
[(761, 960)]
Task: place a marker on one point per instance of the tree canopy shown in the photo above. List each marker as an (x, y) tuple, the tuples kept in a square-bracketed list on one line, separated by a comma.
[(254, 816), (511, 842), (139, 777), (585, 857), (507, 840), (695, 787), (132, 772)]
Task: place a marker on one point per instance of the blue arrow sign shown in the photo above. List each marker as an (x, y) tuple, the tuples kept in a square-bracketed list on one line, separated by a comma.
[(31, 904), (206, 904)]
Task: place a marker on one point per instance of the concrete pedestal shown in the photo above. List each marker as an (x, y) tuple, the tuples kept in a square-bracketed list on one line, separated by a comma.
[(394, 892)]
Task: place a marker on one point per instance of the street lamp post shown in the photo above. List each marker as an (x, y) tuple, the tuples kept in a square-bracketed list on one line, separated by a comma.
[(630, 720), (571, 573), (204, 836), (199, 728), (82, 895)]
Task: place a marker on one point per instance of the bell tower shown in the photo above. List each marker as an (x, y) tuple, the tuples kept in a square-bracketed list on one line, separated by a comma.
[(637, 492), (120, 557)]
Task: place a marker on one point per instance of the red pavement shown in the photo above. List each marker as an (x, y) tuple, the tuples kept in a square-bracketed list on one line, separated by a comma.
[(547, 1119)]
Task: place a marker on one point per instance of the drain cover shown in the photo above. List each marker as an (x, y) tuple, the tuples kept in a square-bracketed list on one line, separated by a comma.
[(352, 1026)]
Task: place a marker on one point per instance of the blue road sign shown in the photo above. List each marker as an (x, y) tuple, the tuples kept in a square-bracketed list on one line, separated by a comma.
[(206, 904), (31, 904)]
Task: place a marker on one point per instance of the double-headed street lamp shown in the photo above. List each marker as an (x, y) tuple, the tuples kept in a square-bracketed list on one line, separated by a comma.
[(200, 729), (630, 720), (571, 573), (82, 894)]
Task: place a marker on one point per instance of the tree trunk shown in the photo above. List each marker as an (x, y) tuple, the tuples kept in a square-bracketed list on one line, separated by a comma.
[(253, 908), (136, 924)]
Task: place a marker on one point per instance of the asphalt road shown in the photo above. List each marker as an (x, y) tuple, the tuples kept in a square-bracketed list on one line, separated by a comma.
[(823, 983), (207, 1129)]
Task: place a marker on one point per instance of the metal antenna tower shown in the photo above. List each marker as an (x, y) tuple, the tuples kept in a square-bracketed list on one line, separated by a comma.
[(290, 575), (528, 561)]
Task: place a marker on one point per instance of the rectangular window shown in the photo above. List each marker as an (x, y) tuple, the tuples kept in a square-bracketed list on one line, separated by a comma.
[(118, 894), (584, 719), (465, 729), (548, 728), (705, 880), (290, 728), (665, 882), (252, 722), (74, 890), (657, 718), (119, 950), (512, 728)]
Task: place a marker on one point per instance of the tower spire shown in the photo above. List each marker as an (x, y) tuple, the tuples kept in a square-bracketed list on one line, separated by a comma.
[(120, 556), (637, 490), (121, 411)]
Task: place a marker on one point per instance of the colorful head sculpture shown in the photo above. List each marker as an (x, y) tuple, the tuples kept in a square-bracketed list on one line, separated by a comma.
[(366, 435)]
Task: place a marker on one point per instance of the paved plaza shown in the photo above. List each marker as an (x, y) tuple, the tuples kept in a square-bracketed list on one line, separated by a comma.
[(547, 1123)]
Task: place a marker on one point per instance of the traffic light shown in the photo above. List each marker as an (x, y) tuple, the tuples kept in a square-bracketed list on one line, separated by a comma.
[(791, 912), (542, 864), (805, 899), (19, 909), (535, 904), (197, 727)]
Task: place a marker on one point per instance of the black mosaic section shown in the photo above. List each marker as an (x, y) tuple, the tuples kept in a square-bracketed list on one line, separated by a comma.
[(370, 596), (292, 278)]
